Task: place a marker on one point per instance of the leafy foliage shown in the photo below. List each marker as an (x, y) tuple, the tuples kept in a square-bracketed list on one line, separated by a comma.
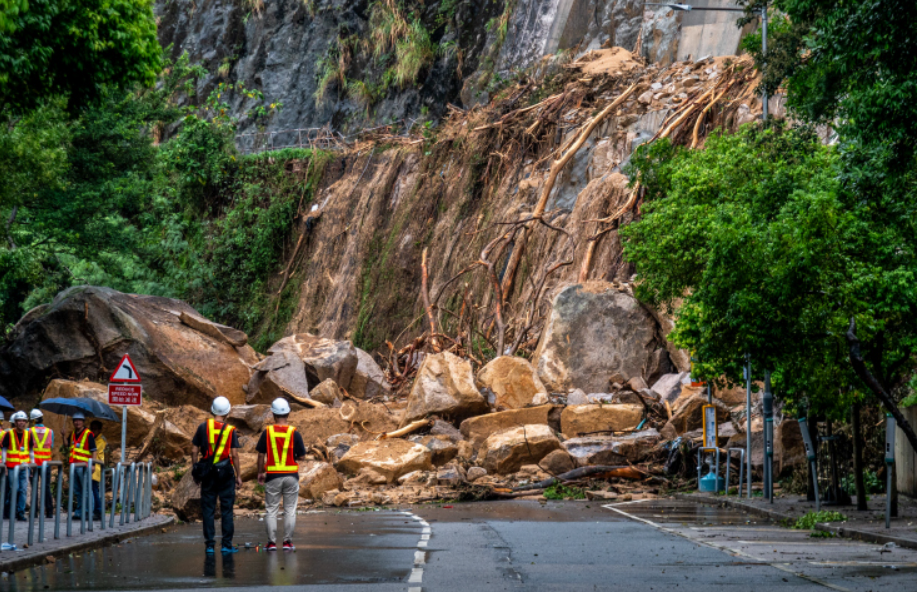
[(812, 518), (559, 491), (75, 48)]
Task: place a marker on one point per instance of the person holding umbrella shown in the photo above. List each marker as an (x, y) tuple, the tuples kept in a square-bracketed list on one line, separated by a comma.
[(17, 451), (101, 452), (82, 448)]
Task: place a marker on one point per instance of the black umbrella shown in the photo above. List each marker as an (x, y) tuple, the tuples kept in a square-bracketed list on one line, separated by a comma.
[(85, 405)]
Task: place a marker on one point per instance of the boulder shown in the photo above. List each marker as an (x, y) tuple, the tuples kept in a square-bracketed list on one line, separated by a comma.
[(447, 430), (84, 332), (186, 499), (339, 444), (251, 419), (557, 462), (584, 419), (592, 332), (322, 358), (233, 337), (687, 412), (442, 449), (249, 468), (444, 386), (278, 376), (317, 479), (612, 450), (668, 387), (174, 431), (513, 383), (789, 448), (392, 458), (327, 392), (475, 473), (316, 425), (450, 476), (368, 380), (577, 397), (505, 452), (477, 429)]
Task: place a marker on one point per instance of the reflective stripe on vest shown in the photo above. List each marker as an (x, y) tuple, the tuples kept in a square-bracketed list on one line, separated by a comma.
[(41, 437), (280, 458), (18, 452), (222, 451), (78, 451)]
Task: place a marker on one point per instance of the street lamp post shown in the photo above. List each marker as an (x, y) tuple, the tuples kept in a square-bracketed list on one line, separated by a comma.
[(763, 14)]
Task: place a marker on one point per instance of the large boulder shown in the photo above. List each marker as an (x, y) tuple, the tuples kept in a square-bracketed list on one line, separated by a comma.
[(278, 376), (593, 332), (587, 419), (251, 419), (513, 383), (317, 479), (477, 429), (322, 358), (390, 458), (505, 452), (84, 332), (444, 386), (442, 449), (186, 499), (368, 380), (363, 419), (668, 387), (612, 450)]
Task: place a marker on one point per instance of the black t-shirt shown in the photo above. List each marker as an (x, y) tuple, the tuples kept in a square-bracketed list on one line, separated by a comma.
[(200, 438), (299, 451)]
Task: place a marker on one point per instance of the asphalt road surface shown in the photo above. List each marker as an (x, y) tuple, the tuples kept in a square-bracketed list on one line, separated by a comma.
[(514, 545)]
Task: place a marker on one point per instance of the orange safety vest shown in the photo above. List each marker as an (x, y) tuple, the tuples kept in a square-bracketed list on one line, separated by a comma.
[(17, 452), (221, 451), (78, 451), (280, 457), (41, 438)]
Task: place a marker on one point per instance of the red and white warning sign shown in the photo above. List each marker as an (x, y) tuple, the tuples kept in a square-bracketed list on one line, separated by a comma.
[(125, 372), (125, 394)]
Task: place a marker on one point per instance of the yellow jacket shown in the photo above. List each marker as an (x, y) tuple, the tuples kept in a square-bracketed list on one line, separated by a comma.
[(101, 452)]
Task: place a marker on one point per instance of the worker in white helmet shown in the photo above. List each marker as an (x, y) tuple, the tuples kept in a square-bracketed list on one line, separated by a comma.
[(280, 445), (17, 450), (43, 441), (82, 449), (218, 472)]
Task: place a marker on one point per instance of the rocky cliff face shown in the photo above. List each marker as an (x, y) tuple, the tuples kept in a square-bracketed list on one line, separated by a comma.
[(350, 64)]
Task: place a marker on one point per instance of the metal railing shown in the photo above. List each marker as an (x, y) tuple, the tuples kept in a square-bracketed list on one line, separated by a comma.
[(132, 487)]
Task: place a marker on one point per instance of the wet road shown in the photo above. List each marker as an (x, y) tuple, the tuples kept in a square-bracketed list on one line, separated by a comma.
[(519, 545)]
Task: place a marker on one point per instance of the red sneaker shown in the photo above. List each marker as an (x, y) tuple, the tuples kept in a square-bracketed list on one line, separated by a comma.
[(270, 547), (288, 546)]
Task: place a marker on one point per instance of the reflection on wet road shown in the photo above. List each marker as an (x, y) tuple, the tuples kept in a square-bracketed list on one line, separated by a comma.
[(374, 547)]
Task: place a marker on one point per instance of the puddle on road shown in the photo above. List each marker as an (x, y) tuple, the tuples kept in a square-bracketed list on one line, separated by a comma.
[(673, 511), (331, 548)]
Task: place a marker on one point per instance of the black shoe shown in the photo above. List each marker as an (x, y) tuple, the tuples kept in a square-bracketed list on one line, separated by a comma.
[(21, 518)]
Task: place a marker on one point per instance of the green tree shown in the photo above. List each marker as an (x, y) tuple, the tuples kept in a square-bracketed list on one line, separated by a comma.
[(75, 48), (772, 253)]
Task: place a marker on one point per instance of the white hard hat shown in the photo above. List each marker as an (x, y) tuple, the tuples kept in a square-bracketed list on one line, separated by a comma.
[(78, 415), (19, 415), (280, 407), (221, 406), (2, 417), (36, 414)]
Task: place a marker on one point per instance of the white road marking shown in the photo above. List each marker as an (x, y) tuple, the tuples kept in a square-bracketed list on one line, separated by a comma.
[(426, 530), (425, 537), (782, 567), (416, 576), (420, 557), (422, 544)]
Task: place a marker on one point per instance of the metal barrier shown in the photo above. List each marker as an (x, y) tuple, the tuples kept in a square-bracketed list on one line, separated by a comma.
[(131, 484)]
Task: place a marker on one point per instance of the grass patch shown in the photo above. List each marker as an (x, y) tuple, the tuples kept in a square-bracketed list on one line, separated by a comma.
[(812, 518), (559, 491)]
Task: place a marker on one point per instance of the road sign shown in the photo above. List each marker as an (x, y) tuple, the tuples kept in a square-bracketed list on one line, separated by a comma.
[(710, 427), (125, 372), (125, 394)]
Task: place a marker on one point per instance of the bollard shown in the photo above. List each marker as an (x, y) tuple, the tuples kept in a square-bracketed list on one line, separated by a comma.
[(102, 497), (34, 476), (14, 489), (149, 493), (741, 452), (137, 492), (70, 501), (3, 479), (90, 499), (60, 496), (126, 504), (46, 474), (115, 480)]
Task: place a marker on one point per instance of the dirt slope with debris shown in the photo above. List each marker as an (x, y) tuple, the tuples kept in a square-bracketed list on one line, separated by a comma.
[(481, 184)]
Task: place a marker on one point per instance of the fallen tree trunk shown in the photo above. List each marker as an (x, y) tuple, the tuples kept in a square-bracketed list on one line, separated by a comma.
[(597, 472)]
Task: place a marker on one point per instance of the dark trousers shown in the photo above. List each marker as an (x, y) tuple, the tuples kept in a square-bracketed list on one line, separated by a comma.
[(96, 501), (77, 487), (225, 490)]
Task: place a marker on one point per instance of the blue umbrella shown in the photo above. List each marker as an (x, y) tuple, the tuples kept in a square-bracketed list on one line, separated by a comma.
[(5, 405), (85, 405)]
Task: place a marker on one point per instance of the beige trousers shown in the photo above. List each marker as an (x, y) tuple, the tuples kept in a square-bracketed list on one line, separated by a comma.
[(275, 489)]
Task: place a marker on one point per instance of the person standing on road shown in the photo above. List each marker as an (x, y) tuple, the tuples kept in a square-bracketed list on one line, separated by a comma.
[(82, 449), (221, 445), (281, 445), (42, 447), (101, 452), (17, 450)]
